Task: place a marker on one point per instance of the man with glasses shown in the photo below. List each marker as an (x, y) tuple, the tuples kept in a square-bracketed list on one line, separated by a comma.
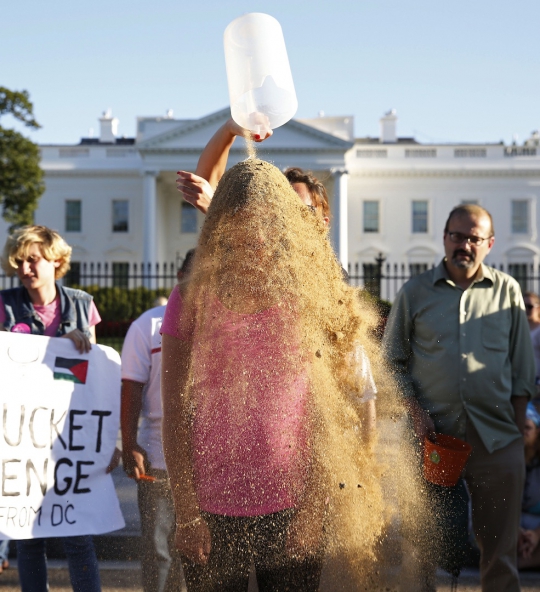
[(459, 342)]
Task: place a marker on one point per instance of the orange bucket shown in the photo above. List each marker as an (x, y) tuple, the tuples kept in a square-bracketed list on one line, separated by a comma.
[(445, 459)]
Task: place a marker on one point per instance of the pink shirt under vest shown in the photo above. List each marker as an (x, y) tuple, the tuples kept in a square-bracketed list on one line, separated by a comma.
[(51, 315), (250, 441)]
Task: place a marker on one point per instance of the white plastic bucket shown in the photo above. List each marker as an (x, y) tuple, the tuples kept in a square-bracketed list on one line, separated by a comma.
[(261, 87)]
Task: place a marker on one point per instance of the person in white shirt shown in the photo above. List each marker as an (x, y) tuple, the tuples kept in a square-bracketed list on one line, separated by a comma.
[(142, 452)]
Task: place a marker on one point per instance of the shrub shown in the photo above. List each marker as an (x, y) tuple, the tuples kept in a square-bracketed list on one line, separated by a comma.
[(118, 307)]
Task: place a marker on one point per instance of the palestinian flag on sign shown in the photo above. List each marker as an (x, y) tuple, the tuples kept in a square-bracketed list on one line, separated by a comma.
[(71, 369)]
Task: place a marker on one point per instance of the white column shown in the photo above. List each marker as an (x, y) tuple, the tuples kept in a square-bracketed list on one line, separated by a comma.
[(340, 237), (149, 229)]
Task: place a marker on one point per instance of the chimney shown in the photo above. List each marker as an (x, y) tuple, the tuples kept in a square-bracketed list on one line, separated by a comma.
[(388, 128), (108, 127)]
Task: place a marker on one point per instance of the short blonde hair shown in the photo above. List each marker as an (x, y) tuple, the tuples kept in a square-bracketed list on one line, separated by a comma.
[(52, 246)]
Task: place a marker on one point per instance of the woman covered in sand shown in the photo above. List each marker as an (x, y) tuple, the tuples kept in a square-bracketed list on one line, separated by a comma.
[(264, 430)]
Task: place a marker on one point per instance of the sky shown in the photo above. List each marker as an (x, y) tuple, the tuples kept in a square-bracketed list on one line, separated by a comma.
[(459, 71)]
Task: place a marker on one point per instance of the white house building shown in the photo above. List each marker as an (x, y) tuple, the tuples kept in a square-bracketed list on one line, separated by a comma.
[(115, 200), (401, 191)]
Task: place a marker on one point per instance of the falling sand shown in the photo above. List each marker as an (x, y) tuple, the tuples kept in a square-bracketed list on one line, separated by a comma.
[(262, 249), (250, 146)]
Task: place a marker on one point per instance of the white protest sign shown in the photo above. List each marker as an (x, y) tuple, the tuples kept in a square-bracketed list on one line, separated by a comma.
[(60, 416)]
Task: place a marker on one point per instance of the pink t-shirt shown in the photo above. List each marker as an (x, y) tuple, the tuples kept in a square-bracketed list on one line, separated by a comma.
[(51, 315), (250, 385)]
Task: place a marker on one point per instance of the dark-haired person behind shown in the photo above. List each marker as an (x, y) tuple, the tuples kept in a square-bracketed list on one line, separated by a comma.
[(458, 340), (39, 256)]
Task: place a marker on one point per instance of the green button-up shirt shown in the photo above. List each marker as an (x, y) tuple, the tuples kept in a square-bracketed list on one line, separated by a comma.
[(463, 353)]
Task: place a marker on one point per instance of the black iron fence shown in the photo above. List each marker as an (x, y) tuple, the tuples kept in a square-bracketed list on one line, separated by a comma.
[(123, 291), (112, 275), (123, 275), (384, 280)]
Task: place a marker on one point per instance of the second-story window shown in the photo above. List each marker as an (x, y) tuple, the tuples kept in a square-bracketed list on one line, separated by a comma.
[(520, 216), (419, 216), (73, 215), (120, 214), (188, 221), (371, 216)]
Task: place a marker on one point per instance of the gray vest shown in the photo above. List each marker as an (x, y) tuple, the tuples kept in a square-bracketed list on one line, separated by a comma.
[(74, 307)]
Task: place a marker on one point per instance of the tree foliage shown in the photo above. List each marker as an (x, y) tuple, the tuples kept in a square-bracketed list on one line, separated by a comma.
[(21, 178)]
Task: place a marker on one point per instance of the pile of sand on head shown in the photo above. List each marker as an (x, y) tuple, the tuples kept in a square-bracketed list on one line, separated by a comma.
[(261, 246)]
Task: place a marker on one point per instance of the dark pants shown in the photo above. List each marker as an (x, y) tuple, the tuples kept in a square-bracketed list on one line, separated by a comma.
[(495, 483), (160, 561), (238, 541), (82, 563)]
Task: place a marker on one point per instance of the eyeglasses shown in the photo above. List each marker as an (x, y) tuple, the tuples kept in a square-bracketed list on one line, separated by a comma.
[(530, 306), (458, 238)]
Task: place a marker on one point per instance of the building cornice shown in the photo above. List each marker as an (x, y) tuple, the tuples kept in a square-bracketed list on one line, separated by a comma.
[(239, 151), (444, 172), (93, 173)]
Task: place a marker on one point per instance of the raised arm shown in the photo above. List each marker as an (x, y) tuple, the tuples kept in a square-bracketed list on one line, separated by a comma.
[(198, 188), (192, 534), (213, 160), (133, 455)]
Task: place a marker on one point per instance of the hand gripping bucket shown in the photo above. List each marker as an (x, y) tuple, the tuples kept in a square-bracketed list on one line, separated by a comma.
[(445, 459)]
